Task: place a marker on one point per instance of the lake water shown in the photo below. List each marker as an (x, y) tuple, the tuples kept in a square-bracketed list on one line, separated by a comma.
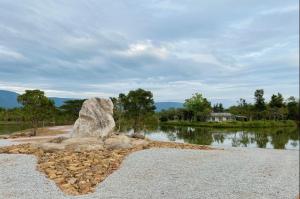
[(278, 138)]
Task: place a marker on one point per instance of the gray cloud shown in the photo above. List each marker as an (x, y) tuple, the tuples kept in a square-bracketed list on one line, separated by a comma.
[(225, 49)]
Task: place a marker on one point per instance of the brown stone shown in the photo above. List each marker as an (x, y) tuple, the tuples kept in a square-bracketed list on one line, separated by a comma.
[(72, 181), (118, 142), (138, 136), (79, 172), (139, 142), (51, 147)]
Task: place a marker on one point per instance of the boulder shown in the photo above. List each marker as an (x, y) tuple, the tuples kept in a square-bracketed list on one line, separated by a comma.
[(88, 140), (140, 142), (51, 147), (95, 119), (138, 136), (118, 142), (4, 136), (83, 144)]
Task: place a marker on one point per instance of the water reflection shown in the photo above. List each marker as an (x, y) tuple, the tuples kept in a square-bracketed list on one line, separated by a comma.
[(278, 138)]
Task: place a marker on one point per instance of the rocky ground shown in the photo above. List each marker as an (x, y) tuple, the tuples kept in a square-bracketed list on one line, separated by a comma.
[(77, 168), (170, 173), (52, 166)]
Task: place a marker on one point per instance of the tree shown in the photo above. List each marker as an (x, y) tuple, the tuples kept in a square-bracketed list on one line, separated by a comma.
[(72, 108), (138, 105), (276, 108), (36, 106), (198, 105), (242, 103), (218, 108), (119, 112), (293, 108), (276, 101), (260, 104)]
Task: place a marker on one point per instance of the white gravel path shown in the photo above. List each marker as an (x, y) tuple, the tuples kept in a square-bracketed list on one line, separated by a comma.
[(169, 173)]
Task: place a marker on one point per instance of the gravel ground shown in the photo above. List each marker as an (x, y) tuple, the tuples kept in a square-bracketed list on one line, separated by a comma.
[(170, 173)]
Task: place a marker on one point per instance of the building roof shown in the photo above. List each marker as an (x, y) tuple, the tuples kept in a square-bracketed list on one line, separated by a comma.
[(221, 114)]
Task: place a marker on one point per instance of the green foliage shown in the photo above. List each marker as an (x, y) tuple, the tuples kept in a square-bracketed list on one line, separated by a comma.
[(71, 108), (276, 101), (260, 104), (36, 106), (199, 106), (293, 109), (136, 107), (119, 109), (218, 108), (260, 114)]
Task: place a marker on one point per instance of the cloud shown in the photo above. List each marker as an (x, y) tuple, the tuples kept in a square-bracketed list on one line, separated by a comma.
[(8, 54), (145, 48), (173, 48)]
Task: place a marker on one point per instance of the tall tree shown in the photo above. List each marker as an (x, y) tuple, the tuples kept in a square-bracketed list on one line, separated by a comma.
[(37, 107), (260, 104), (293, 108), (218, 108), (276, 101), (139, 104), (242, 103), (119, 111), (199, 105), (276, 108), (72, 108)]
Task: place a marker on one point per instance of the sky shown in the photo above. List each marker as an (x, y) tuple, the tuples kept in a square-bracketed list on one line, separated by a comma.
[(224, 49)]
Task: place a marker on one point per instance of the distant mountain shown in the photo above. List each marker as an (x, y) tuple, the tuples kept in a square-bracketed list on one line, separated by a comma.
[(59, 101), (166, 105), (8, 99)]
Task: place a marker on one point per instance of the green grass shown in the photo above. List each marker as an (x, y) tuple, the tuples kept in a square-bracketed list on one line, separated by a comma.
[(234, 124)]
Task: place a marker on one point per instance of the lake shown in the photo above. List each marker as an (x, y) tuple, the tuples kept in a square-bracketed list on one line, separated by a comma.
[(278, 138)]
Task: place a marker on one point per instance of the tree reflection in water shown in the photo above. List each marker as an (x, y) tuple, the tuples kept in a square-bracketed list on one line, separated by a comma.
[(277, 138)]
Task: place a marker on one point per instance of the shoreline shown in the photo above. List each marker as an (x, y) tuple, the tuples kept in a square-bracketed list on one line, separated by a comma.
[(234, 124)]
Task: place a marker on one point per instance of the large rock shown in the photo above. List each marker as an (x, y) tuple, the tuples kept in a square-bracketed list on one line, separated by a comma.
[(83, 144), (95, 119), (51, 147), (118, 142)]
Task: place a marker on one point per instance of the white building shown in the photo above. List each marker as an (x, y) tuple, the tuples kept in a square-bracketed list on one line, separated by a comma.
[(220, 117)]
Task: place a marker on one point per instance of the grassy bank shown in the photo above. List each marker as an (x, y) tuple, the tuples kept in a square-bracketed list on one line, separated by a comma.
[(234, 124)]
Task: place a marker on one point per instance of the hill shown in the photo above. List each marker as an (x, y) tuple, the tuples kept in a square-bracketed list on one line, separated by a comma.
[(8, 99), (166, 105)]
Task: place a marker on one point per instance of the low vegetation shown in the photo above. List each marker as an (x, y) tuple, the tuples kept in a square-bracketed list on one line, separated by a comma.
[(234, 124), (137, 110), (196, 110)]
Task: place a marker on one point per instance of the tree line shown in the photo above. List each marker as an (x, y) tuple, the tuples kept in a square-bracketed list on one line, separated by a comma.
[(198, 108), (40, 110), (136, 109), (132, 110)]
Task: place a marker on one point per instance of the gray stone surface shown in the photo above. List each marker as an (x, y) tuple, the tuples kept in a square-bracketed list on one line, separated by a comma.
[(95, 119), (170, 173), (118, 142)]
